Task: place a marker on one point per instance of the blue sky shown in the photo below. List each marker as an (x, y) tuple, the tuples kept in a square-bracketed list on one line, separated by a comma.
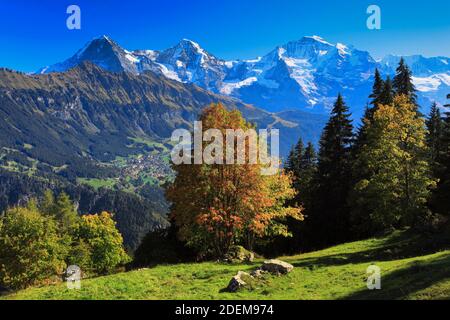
[(33, 33)]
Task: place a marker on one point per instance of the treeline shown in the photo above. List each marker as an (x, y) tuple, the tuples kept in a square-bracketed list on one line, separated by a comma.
[(40, 240), (391, 172)]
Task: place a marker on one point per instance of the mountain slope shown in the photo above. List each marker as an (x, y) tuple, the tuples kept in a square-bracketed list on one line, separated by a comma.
[(108, 129), (87, 111), (412, 267), (306, 74)]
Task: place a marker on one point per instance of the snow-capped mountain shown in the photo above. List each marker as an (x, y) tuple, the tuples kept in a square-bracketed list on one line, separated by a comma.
[(103, 52), (306, 74)]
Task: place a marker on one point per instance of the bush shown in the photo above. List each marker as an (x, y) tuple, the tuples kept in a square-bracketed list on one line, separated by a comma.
[(30, 249), (100, 234)]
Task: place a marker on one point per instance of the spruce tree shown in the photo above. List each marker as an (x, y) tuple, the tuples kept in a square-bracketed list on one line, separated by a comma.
[(304, 183), (376, 98), (387, 95), (442, 199), (402, 83), (293, 163), (434, 135), (65, 212), (331, 221), (377, 89), (302, 164)]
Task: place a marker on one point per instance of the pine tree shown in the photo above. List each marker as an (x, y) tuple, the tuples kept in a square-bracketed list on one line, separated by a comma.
[(402, 83), (65, 212), (331, 221), (304, 183), (434, 135), (442, 198), (293, 163), (377, 98), (47, 205), (303, 171), (309, 160), (387, 95), (377, 89)]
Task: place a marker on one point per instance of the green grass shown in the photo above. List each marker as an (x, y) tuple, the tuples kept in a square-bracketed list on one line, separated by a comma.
[(412, 267), (98, 183)]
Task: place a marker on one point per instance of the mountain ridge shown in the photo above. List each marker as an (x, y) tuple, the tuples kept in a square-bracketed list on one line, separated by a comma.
[(305, 74)]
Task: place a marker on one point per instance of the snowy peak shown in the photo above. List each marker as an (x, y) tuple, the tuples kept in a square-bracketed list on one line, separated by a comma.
[(191, 63), (101, 51), (188, 52), (304, 74), (419, 65), (312, 47)]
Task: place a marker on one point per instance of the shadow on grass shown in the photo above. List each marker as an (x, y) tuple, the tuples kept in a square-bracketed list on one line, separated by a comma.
[(418, 275), (398, 246)]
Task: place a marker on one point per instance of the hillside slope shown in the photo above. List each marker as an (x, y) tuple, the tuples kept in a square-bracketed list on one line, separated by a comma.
[(108, 129), (412, 267)]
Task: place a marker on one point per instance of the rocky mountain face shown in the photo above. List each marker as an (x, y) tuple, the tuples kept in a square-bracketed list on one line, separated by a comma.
[(305, 75)]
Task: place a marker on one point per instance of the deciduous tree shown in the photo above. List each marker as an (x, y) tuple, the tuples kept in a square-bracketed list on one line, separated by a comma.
[(218, 205)]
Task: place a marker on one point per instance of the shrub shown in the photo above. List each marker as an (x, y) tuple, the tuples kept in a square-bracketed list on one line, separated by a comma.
[(30, 249), (100, 234)]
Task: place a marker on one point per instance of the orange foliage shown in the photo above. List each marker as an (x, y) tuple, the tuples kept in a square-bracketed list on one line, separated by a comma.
[(218, 205)]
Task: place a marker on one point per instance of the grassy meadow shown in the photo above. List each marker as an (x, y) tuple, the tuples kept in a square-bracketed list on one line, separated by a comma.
[(412, 267)]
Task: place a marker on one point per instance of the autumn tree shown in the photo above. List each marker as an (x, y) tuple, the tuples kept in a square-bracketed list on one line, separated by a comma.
[(397, 187), (218, 205)]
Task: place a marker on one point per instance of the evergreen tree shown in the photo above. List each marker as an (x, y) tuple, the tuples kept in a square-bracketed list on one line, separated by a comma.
[(47, 205), (434, 135), (309, 160), (330, 215), (402, 83), (442, 199), (303, 169), (293, 163), (304, 183), (387, 95), (65, 212), (377, 89)]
